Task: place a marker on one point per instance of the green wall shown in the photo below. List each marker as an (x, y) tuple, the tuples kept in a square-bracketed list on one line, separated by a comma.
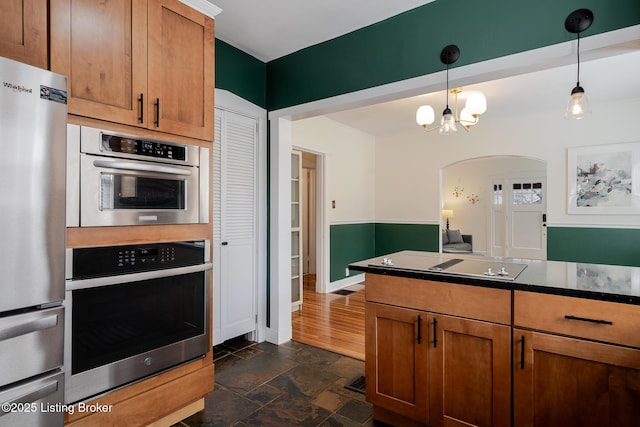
[(398, 237), (355, 242), (240, 73), (615, 246), (349, 243), (409, 44)]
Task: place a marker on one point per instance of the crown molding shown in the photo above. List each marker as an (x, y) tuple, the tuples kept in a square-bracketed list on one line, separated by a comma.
[(203, 6)]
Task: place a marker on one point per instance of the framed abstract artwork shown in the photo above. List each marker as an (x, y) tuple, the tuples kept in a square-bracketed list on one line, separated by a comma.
[(604, 179)]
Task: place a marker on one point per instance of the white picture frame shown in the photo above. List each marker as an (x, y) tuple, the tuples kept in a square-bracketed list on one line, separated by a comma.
[(604, 179)]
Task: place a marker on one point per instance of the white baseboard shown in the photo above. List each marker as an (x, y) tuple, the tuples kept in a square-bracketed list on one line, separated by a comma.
[(343, 283)]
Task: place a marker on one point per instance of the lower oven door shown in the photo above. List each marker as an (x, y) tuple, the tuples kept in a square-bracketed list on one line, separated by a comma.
[(33, 403), (133, 327), (128, 192)]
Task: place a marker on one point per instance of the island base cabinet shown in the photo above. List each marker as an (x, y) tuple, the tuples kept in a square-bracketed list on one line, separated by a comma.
[(469, 372), (560, 381), (396, 362)]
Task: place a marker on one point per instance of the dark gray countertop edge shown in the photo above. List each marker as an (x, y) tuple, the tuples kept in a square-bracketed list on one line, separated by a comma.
[(498, 284)]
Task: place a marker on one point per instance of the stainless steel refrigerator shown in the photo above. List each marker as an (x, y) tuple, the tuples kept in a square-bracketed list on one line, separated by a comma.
[(33, 116)]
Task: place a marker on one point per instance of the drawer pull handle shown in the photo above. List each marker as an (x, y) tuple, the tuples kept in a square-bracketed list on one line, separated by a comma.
[(585, 319), (419, 329), (522, 353), (435, 335)]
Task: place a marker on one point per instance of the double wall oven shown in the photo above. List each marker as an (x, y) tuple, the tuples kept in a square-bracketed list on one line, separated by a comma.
[(133, 311)]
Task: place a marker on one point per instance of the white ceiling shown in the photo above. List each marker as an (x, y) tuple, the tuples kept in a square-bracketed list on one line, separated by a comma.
[(271, 29)]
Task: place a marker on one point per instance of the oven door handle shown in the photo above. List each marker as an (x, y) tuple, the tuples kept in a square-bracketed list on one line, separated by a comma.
[(72, 285), (140, 167)]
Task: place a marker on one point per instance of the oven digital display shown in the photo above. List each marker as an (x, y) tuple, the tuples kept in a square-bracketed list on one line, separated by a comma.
[(147, 252), (119, 144)]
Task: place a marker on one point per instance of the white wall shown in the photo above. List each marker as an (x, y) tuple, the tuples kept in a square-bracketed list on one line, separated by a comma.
[(408, 166), (349, 162)]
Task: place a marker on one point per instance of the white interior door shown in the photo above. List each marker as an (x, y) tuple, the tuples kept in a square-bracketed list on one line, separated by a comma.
[(234, 232), (526, 225), (518, 217)]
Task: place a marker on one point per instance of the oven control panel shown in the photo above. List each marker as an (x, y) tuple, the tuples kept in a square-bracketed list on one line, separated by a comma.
[(113, 260), (146, 148)]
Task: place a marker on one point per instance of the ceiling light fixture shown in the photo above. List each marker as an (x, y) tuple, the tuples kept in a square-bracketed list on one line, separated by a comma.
[(578, 104), (475, 104)]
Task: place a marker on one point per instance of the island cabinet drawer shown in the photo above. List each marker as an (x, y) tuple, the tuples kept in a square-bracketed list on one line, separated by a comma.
[(585, 318), (474, 302)]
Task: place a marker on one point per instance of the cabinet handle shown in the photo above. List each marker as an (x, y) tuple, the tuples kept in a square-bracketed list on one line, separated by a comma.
[(522, 353), (141, 104), (435, 334), (224, 243), (585, 319), (157, 107), (419, 329)]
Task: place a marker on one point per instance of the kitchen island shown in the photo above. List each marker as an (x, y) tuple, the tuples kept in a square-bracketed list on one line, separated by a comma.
[(464, 340)]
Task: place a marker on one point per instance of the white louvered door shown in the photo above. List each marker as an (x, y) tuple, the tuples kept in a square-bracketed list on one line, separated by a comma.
[(234, 225)]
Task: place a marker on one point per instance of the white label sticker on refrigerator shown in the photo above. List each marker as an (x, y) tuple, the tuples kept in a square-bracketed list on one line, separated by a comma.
[(53, 94)]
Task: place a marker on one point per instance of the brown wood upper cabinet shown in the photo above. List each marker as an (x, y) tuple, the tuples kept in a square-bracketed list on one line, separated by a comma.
[(23, 31), (141, 63)]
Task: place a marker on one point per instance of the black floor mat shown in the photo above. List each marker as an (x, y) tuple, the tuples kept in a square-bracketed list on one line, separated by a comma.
[(357, 385), (343, 292)]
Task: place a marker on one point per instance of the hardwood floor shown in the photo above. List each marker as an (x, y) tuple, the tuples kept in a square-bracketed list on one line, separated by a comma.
[(331, 321)]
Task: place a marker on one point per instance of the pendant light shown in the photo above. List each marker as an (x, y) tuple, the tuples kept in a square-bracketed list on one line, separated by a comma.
[(475, 104), (578, 104)]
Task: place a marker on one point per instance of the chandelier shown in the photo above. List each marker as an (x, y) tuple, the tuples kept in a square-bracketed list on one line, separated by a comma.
[(475, 104)]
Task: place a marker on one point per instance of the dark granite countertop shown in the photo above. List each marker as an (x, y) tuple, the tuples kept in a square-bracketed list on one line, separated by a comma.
[(592, 281)]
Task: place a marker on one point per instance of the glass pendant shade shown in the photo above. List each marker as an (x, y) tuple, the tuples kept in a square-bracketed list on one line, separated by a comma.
[(476, 104), (578, 104), (425, 116), (448, 124)]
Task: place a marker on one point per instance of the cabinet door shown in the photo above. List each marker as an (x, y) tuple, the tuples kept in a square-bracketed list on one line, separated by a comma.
[(469, 372), (396, 360), (181, 84), (23, 31), (101, 48), (562, 381)]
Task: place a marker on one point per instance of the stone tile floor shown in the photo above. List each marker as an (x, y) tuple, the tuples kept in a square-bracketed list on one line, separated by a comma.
[(288, 385)]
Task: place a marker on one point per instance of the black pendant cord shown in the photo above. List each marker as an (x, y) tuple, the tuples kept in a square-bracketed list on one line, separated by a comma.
[(578, 53), (447, 81)]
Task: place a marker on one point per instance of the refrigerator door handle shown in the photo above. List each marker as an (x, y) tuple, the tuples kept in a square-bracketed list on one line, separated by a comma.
[(32, 396), (28, 327)]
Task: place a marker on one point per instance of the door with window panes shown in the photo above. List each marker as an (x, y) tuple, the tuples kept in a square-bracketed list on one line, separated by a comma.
[(519, 218)]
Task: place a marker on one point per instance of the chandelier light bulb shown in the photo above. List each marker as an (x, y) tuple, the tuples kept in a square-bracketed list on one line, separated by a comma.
[(476, 104), (467, 119), (425, 116)]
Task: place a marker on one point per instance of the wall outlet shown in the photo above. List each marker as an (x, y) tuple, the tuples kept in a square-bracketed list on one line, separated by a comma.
[(346, 271)]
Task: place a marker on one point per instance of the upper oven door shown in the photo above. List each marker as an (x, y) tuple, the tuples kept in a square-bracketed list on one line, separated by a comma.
[(128, 192)]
